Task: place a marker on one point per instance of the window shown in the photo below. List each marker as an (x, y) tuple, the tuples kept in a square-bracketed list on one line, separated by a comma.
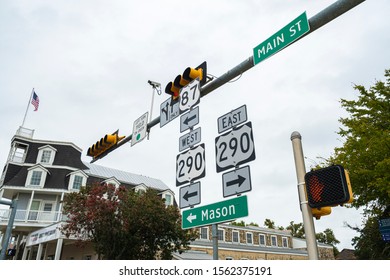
[(77, 182), (262, 240), (274, 241), (249, 239), (47, 207), (168, 200), (45, 156), (18, 152), (235, 237), (77, 179), (140, 188), (204, 233), (221, 235), (285, 242), (36, 178)]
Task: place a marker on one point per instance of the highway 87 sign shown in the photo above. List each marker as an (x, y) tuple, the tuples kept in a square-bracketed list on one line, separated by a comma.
[(190, 165), (235, 147)]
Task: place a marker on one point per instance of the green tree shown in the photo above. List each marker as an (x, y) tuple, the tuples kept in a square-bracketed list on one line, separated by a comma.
[(123, 224), (238, 224), (328, 237), (297, 230), (269, 223), (369, 245), (366, 155), (366, 149)]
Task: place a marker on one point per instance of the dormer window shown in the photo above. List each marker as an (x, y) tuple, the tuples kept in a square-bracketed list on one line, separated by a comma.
[(112, 181), (36, 176), (140, 188), (77, 179), (46, 155), (169, 197), (77, 182)]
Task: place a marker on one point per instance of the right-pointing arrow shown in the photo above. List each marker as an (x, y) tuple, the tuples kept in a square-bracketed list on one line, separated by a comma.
[(238, 181)]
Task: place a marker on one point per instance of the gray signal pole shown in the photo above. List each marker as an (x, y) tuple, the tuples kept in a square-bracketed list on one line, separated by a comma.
[(308, 223), (325, 16), (10, 225)]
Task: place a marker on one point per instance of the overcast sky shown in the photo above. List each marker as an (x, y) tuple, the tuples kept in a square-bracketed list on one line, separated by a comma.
[(89, 62)]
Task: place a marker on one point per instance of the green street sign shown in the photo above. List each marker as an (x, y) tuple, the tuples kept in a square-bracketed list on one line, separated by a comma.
[(281, 39), (215, 213)]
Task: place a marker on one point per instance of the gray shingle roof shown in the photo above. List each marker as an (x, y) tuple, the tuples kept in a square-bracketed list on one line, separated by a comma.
[(124, 177)]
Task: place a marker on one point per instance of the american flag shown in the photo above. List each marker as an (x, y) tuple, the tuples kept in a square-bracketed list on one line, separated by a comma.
[(35, 101)]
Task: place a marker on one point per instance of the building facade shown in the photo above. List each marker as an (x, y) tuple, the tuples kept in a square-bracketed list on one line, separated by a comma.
[(38, 173), (255, 243)]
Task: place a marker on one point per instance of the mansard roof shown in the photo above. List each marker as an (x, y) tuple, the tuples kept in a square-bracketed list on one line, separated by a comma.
[(125, 177)]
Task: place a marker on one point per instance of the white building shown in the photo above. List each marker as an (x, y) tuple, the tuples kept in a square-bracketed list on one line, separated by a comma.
[(38, 173)]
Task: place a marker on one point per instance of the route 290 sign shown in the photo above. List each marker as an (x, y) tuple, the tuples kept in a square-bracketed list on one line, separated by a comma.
[(235, 147), (190, 165)]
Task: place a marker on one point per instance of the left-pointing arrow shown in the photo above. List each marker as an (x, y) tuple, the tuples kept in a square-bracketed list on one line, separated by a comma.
[(191, 217), (238, 181), (188, 195), (189, 119)]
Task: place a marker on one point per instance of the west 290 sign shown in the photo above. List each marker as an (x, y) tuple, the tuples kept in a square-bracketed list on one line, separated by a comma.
[(235, 147)]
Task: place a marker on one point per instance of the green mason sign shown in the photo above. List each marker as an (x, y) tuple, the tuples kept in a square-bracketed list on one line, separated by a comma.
[(215, 213), (288, 34)]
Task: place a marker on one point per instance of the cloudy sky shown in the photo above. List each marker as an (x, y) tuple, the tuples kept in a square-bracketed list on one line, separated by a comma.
[(89, 62)]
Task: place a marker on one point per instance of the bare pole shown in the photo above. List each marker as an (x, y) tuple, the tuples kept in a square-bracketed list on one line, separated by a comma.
[(8, 231), (308, 223)]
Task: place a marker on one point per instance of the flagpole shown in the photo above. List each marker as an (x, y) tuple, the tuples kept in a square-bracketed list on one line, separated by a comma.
[(28, 105)]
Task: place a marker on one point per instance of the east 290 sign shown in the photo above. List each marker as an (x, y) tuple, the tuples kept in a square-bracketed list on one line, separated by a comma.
[(190, 165), (235, 147)]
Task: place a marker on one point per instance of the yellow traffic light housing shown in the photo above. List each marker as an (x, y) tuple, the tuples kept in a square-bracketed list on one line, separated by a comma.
[(328, 186), (189, 74), (104, 144), (323, 211)]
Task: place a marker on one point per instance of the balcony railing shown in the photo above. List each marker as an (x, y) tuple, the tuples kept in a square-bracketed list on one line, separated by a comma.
[(25, 132), (32, 216)]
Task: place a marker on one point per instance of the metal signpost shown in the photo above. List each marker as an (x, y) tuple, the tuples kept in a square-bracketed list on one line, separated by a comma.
[(8, 231), (236, 146)]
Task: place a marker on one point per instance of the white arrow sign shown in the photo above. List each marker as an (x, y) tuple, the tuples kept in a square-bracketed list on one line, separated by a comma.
[(191, 217)]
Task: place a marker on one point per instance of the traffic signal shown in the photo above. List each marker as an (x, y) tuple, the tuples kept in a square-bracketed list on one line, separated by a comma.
[(323, 211), (190, 74), (104, 144), (328, 186)]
